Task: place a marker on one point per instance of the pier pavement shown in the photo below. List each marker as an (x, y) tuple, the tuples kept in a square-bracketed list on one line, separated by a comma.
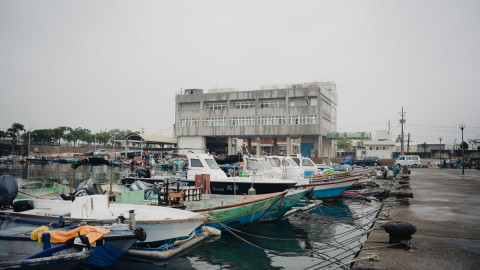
[(445, 208)]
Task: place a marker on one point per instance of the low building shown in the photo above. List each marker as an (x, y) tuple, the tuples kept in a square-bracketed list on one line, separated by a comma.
[(382, 147)]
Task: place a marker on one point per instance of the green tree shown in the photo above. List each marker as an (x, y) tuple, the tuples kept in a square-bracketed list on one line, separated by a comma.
[(42, 136), (59, 133), (344, 144), (85, 135), (13, 133), (78, 134), (116, 134), (424, 146), (68, 136), (463, 145), (103, 137)]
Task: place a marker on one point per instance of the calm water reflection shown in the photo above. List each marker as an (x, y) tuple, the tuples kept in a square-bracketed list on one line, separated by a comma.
[(325, 237)]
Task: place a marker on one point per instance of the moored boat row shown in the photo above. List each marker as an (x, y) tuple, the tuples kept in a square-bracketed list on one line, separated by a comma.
[(225, 204)]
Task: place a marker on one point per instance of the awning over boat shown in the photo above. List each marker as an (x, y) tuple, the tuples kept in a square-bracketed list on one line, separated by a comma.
[(150, 139)]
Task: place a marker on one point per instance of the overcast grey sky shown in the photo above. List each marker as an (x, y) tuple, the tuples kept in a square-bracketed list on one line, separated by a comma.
[(118, 64)]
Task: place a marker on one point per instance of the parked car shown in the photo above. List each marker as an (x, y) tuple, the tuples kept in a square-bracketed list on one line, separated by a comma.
[(408, 160), (89, 153), (102, 152), (457, 163), (368, 161)]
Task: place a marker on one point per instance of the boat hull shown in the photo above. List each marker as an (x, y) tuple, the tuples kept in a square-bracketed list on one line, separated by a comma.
[(329, 189), (60, 262), (284, 204), (245, 210)]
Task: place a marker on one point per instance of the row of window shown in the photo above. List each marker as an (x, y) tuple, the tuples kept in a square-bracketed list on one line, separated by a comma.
[(249, 121), (243, 104), (271, 103), (378, 148), (215, 106)]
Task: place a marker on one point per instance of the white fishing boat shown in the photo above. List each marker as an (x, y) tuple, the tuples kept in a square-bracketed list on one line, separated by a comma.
[(159, 223), (219, 182)]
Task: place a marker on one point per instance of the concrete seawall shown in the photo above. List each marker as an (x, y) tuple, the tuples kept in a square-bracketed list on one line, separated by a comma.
[(446, 211)]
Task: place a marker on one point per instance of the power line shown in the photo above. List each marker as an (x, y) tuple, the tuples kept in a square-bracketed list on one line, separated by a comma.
[(367, 125)]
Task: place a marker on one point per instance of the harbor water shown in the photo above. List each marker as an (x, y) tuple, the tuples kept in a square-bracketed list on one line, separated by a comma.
[(327, 237)]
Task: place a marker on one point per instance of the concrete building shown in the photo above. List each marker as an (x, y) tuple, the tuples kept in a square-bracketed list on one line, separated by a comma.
[(215, 120), (382, 147)]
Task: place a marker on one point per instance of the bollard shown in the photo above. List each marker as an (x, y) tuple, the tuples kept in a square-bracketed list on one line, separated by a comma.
[(399, 231), (132, 219)]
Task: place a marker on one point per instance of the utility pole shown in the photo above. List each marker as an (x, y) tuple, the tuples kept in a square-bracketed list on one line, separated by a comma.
[(389, 127), (402, 121), (408, 143)]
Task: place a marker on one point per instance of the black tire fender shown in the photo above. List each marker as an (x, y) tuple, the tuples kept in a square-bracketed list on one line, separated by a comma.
[(140, 234)]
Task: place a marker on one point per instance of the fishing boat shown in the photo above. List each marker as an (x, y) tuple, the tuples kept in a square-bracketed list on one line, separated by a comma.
[(22, 240), (223, 211), (160, 223), (231, 212), (287, 166), (36, 160), (361, 171), (331, 187), (219, 182), (330, 174)]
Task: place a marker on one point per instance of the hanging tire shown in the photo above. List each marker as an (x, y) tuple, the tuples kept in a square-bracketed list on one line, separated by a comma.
[(140, 234), (8, 190)]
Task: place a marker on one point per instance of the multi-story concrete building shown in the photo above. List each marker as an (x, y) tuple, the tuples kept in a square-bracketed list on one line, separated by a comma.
[(276, 113)]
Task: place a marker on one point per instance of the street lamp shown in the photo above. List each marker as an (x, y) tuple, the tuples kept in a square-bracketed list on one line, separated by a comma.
[(462, 127), (440, 138)]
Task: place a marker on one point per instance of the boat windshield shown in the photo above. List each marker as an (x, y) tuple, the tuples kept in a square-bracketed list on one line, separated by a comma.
[(253, 164), (267, 165), (307, 162), (292, 162), (273, 162), (212, 163)]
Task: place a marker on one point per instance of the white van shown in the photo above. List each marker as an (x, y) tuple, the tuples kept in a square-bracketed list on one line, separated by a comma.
[(408, 160)]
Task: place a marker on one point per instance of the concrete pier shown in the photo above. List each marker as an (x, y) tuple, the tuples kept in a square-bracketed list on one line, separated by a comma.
[(445, 208)]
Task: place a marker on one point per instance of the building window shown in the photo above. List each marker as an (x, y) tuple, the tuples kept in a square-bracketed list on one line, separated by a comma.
[(215, 106), (271, 120), (303, 119), (376, 148), (242, 121), (189, 122), (215, 121), (272, 103), (371, 148), (384, 148), (243, 104)]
